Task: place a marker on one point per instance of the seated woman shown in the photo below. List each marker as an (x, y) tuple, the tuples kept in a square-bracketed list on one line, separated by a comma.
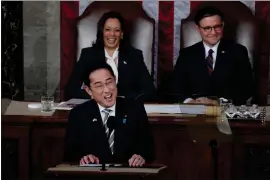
[(111, 46)]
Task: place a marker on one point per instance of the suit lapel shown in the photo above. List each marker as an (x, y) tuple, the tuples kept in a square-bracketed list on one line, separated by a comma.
[(119, 133), (222, 59), (98, 123), (100, 54), (118, 108), (201, 50), (122, 63), (203, 61)]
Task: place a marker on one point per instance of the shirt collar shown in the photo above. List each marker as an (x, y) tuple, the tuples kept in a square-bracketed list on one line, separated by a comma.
[(207, 48), (101, 108), (115, 53)]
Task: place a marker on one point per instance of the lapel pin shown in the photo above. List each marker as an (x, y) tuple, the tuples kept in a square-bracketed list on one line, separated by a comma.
[(94, 120), (222, 51), (124, 62), (125, 119)]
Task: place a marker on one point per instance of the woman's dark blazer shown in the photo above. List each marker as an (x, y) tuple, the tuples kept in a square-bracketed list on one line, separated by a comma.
[(134, 80)]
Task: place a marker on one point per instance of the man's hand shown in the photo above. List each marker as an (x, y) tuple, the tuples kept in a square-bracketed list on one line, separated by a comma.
[(136, 161), (89, 159), (193, 101), (204, 100)]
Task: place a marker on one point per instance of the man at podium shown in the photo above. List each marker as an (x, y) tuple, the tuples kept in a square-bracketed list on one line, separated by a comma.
[(107, 128)]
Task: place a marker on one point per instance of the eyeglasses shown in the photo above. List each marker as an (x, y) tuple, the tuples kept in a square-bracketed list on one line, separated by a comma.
[(208, 29), (100, 87)]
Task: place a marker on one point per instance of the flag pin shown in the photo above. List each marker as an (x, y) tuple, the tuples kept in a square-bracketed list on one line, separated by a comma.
[(125, 119)]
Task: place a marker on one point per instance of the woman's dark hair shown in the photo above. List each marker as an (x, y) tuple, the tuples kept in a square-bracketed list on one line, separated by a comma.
[(124, 42)]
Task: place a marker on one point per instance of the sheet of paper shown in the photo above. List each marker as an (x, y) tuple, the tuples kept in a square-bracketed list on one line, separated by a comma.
[(68, 105), (162, 108), (99, 165), (192, 109), (174, 109)]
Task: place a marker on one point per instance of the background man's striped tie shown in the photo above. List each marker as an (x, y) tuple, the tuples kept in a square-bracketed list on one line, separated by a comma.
[(209, 59), (110, 135)]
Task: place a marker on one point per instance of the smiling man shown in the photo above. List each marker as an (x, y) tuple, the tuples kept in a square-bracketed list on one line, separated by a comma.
[(214, 66), (107, 129)]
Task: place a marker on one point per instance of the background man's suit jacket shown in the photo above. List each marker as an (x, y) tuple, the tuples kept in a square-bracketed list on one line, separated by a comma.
[(133, 76), (85, 133), (232, 76)]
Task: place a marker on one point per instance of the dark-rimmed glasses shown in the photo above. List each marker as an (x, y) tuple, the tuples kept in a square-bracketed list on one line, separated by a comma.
[(110, 84), (208, 29)]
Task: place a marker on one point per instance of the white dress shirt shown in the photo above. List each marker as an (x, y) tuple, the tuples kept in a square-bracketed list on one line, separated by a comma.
[(214, 55), (113, 62), (101, 108)]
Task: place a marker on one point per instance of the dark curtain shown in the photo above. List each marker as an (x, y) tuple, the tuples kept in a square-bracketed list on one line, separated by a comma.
[(12, 50)]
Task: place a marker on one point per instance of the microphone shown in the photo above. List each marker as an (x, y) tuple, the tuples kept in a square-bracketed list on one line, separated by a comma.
[(140, 95), (111, 123), (146, 97)]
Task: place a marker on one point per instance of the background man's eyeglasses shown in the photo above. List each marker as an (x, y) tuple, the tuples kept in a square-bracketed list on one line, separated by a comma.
[(209, 28)]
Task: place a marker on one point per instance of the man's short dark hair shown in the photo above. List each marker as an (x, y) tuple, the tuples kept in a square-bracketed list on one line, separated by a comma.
[(96, 66), (207, 12)]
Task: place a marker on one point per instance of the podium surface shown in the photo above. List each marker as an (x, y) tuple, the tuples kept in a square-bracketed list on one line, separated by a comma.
[(66, 171)]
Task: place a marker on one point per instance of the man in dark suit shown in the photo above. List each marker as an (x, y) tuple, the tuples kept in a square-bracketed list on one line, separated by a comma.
[(93, 136), (214, 66)]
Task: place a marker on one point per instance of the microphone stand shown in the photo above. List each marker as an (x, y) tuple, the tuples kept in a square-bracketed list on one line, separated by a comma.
[(103, 167), (214, 148)]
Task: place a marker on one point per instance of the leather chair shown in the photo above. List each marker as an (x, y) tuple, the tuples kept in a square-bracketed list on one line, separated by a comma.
[(240, 26)]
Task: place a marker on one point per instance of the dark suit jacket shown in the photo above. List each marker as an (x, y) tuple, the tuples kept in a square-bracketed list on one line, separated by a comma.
[(232, 76), (85, 136), (133, 76)]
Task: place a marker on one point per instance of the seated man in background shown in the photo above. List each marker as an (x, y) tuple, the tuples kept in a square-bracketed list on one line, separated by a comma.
[(214, 66), (112, 46), (107, 129)]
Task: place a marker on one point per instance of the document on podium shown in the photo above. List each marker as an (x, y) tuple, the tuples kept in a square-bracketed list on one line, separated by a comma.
[(70, 104), (110, 168), (175, 108), (100, 165), (163, 108)]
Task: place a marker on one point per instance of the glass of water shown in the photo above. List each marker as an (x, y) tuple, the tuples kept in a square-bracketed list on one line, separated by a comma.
[(231, 111), (47, 103), (225, 103)]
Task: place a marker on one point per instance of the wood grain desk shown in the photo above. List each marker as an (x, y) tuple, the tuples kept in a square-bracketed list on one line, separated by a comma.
[(32, 144)]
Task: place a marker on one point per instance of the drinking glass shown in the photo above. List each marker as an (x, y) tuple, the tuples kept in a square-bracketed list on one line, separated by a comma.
[(231, 111), (47, 103), (225, 103), (254, 111), (243, 111)]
